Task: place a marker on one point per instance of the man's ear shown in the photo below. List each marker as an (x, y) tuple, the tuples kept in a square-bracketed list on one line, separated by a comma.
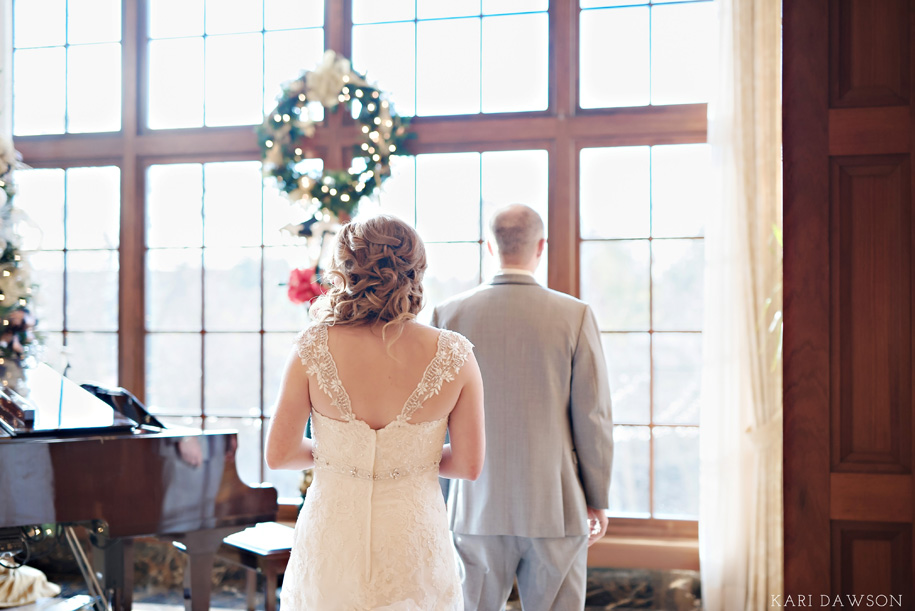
[(489, 248), (540, 246)]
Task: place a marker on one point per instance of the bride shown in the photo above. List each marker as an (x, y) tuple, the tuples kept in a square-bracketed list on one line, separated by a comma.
[(382, 390)]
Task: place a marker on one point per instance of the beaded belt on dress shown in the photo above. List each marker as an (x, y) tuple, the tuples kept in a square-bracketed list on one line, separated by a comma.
[(356, 472)]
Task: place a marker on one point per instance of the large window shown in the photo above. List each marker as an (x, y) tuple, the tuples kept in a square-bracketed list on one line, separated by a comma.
[(642, 213), (74, 240), (159, 253)]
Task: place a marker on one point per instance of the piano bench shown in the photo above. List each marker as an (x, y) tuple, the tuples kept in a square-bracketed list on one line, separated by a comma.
[(263, 548)]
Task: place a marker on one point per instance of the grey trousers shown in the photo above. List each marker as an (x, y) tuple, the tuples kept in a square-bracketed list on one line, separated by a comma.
[(552, 572)]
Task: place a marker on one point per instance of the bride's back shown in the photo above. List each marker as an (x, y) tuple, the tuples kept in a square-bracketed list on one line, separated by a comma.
[(373, 531), (379, 376)]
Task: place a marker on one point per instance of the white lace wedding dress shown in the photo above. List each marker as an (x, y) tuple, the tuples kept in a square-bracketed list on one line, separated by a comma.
[(373, 532)]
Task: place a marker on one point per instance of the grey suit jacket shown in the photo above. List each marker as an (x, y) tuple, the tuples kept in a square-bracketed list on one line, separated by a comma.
[(549, 431)]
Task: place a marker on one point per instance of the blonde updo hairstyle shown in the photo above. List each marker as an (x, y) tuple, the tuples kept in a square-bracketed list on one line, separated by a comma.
[(376, 275)]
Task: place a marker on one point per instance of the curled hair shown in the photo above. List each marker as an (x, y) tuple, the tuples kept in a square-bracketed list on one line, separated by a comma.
[(377, 272)]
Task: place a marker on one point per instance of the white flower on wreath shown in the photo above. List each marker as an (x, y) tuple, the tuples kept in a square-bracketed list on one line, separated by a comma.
[(325, 83)]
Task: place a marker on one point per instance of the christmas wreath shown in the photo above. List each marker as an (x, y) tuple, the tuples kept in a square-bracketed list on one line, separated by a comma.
[(288, 126)]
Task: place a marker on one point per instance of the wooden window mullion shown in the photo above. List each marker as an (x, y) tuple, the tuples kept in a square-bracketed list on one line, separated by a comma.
[(132, 264)]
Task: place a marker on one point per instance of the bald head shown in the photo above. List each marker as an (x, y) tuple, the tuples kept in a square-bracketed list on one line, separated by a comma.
[(518, 231)]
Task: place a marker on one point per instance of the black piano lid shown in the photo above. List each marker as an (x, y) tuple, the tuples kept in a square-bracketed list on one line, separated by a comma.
[(52, 405)]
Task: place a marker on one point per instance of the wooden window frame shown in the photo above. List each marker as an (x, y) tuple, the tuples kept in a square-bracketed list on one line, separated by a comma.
[(562, 130)]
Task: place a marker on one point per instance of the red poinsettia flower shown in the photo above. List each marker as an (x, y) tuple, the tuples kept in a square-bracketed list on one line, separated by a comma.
[(304, 285)]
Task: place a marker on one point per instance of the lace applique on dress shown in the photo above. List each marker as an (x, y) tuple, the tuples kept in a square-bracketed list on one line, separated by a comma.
[(311, 345), (450, 356)]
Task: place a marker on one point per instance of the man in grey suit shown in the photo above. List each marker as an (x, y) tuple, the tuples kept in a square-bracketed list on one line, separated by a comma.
[(540, 500)]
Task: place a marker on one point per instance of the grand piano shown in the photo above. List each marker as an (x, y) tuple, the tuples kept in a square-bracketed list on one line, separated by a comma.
[(69, 458)]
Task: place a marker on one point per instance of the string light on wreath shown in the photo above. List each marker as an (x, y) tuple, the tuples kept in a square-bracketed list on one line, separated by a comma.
[(286, 127)]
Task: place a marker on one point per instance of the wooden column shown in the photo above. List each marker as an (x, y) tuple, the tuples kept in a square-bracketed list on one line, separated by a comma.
[(849, 299)]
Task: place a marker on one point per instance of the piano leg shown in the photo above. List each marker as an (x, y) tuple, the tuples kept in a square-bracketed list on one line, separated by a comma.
[(201, 549), (115, 562)]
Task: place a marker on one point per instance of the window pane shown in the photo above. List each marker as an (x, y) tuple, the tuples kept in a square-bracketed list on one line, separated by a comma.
[(615, 192), (39, 24), (629, 367), (280, 314), (603, 3), (93, 357), (614, 58), (510, 177), (249, 454), (677, 273), (232, 17), (279, 212), (173, 295), (173, 384), (174, 195), (185, 422), (176, 83), (285, 55), (436, 9), (41, 196), (684, 46), (677, 377), (93, 207), (515, 63), (162, 21), (35, 73), (385, 53), (448, 197), (93, 21), (453, 268), (277, 347), (232, 289), (286, 483), (94, 88), (438, 67), (288, 14), (681, 185), (397, 195), (232, 203), (92, 290), (52, 351), (376, 11), (629, 495), (676, 482), (234, 80), (614, 280), (232, 374), (494, 7), (48, 274)]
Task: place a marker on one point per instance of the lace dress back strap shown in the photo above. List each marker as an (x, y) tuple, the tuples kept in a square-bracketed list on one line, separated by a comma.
[(451, 354), (311, 345)]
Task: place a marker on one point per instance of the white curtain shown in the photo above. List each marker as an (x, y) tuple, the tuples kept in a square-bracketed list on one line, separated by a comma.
[(740, 507), (6, 64)]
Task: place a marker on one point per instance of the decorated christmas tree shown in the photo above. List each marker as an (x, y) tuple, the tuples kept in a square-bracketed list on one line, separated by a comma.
[(17, 338)]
